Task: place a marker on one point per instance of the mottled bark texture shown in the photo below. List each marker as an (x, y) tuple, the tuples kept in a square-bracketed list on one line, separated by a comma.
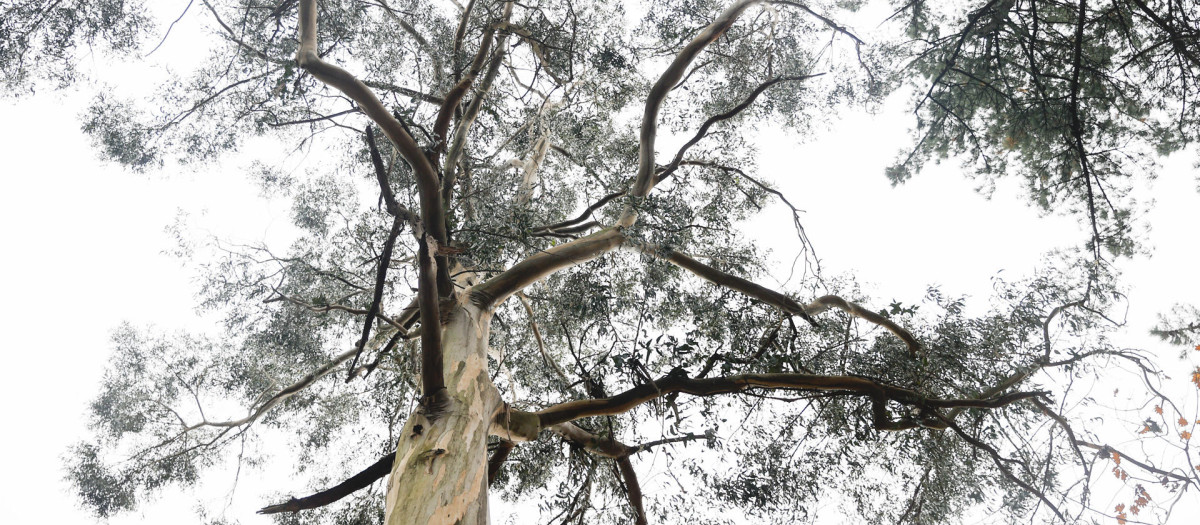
[(440, 475)]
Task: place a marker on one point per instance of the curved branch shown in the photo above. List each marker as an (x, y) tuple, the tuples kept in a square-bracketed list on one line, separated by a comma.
[(495, 290), (428, 185), (434, 280), (824, 303), (1178, 40), (356, 483), (649, 130), (452, 99), (733, 282), (733, 112), (553, 228), (458, 142)]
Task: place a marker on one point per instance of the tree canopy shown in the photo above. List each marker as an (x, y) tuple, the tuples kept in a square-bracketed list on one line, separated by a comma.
[(526, 241)]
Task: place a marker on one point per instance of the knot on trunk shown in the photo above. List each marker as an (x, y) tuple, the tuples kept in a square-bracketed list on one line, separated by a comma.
[(435, 405)]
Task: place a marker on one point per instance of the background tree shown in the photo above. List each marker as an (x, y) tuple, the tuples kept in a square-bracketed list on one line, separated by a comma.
[(520, 160)]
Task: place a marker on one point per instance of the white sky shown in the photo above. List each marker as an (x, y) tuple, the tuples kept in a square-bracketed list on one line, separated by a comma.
[(83, 245)]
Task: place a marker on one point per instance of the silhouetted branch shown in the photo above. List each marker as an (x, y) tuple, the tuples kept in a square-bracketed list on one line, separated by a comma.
[(633, 489), (356, 483)]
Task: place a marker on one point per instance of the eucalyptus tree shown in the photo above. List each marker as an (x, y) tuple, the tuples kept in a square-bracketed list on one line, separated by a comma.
[(504, 284)]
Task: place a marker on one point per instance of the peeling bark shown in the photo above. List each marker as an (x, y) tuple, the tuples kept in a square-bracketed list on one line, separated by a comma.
[(440, 474)]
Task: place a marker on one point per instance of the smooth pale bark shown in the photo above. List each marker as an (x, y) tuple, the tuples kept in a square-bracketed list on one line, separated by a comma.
[(440, 474)]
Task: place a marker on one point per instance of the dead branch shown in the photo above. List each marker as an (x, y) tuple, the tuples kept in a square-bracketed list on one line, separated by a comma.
[(380, 280)]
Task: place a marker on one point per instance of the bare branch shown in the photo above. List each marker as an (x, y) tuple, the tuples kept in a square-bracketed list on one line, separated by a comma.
[(495, 290), (498, 458), (633, 488), (356, 483), (385, 259)]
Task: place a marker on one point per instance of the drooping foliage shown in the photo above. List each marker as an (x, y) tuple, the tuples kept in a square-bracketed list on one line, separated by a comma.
[(1078, 98)]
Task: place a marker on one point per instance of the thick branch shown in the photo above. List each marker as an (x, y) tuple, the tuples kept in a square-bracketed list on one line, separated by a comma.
[(432, 376), (495, 290), (824, 303), (734, 282), (458, 142), (640, 394), (434, 277), (358, 482), (649, 131), (454, 97), (633, 488), (428, 185), (498, 458)]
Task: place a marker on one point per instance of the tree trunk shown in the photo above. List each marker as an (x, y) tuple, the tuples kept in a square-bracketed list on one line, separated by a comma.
[(440, 472)]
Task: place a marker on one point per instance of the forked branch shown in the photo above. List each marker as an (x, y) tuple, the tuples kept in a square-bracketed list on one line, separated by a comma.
[(433, 277), (658, 94)]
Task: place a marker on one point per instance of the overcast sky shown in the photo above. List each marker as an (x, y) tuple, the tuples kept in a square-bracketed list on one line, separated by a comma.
[(83, 247)]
